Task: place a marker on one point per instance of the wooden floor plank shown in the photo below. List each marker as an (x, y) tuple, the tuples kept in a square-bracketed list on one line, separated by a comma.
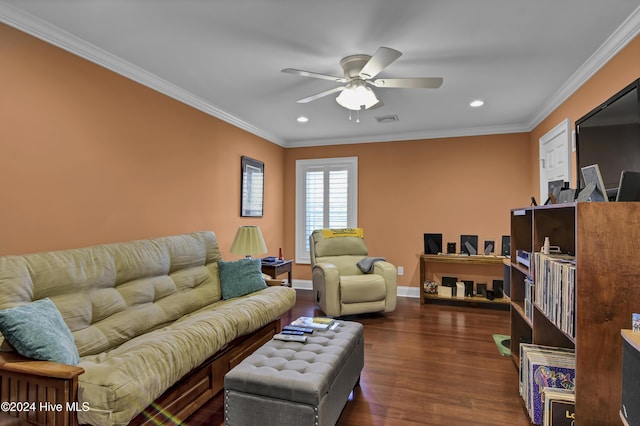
[(424, 365)]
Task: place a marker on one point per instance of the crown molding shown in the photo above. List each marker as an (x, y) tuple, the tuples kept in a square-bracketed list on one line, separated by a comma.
[(435, 134), (43, 30), (626, 32), (53, 35)]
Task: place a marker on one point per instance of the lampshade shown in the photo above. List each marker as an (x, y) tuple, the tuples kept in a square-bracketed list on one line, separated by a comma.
[(356, 96), (248, 241)]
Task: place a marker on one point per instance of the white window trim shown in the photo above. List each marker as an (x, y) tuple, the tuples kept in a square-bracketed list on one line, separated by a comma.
[(302, 256)]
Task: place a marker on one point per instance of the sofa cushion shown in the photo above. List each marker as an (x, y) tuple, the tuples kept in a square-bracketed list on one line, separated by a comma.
[(121, 382), (110, 293), (37, 330), (240, 277)]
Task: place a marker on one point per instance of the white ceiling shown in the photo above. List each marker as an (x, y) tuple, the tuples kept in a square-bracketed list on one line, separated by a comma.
[(523, 58)]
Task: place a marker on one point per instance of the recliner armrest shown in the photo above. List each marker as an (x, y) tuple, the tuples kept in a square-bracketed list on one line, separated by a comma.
[(328, 272), (390, 274), (326, 286), (385, 268)]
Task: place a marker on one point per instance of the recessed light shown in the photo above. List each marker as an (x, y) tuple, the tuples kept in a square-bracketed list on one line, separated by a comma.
[(302, 119), (476, 103)]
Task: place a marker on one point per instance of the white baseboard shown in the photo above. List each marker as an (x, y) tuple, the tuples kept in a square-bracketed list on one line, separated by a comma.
[(302, 285), (413, 292), (403, 291)]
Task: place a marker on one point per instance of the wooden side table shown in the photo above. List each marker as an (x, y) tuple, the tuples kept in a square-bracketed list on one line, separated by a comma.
[(275, 269)]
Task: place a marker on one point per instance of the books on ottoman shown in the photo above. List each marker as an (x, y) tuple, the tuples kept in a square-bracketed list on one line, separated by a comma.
[(318, 323)]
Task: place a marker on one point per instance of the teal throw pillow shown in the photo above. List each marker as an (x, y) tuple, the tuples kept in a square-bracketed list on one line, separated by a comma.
[(240, 277), (36, 330)]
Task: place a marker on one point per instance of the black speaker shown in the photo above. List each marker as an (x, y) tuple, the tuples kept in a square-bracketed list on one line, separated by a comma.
[(506, 280), (468, 288), (506, 246), (451, 248), (449, 281), (498, 286), (630, 409)]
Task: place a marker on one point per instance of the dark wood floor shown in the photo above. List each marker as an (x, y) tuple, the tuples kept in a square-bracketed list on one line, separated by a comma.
[(424, 365)]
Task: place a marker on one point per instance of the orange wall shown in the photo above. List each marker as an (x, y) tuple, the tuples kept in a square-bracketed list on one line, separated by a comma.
[(621, 70), (88, 157), (452, 186)]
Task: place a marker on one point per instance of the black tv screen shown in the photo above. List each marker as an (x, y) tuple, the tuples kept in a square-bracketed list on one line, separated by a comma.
[(609, 136)]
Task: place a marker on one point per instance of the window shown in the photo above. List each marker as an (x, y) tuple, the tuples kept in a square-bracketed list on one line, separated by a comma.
[(326, 197)]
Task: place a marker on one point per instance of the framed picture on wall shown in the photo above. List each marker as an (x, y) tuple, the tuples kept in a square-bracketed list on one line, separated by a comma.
[(252, 188)]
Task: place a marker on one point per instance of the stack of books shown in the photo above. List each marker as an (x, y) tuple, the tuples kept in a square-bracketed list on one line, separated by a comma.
[(544, 367), (317, 323)]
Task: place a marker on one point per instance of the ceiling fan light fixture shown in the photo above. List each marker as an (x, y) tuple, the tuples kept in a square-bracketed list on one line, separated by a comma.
[(357, 96)]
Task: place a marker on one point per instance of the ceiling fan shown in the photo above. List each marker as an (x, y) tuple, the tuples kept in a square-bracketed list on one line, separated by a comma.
[(359, 71)]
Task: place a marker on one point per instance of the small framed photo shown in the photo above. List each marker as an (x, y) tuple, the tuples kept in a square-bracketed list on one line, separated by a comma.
[(481, 289), (489, 247), (469, 244), (635, 323)]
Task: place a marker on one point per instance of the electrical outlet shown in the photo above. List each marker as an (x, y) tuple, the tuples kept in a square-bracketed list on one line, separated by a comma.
[(400, 270)]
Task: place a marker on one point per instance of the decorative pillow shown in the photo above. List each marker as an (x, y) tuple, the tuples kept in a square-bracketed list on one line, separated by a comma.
[(36, 330), (240, 277)]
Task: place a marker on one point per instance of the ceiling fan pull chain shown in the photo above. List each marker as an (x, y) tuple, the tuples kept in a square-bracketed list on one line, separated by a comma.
[(357, 116)]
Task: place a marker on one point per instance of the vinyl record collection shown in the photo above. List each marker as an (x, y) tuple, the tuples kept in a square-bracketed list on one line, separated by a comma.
[(544, 367), (555, 289)]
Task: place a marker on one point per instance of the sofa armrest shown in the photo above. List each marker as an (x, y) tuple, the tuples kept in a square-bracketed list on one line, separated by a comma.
[(11, 361), (390, 274), (47, 391)]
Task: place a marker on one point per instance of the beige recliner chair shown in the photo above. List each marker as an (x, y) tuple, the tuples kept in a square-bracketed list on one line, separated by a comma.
[(340, 287)]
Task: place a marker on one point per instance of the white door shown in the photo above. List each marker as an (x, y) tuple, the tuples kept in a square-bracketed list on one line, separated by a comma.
[(555, 157)]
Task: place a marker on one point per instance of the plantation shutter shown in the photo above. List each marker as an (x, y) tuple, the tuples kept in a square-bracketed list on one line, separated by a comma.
[(326, 198)]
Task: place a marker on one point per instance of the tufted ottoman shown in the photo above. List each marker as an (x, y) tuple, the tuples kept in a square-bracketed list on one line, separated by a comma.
[(292, 383)]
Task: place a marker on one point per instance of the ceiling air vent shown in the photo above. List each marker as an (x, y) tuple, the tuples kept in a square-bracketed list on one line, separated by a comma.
[(387, 118)]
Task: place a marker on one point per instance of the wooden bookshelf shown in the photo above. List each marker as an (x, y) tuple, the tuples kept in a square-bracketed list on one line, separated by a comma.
[(604, 238), (477, 268)]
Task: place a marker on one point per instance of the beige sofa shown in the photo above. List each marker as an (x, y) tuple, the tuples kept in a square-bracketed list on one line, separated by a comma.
[(153, 333)]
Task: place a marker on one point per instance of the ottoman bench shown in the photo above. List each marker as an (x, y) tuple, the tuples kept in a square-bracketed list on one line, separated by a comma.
[(294, 383)]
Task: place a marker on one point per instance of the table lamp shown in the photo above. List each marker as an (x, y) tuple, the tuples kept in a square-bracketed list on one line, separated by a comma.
[(248, 242)]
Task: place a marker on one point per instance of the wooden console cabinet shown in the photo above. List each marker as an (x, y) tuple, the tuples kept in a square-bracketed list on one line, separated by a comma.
[(605, 238), (433, 266)]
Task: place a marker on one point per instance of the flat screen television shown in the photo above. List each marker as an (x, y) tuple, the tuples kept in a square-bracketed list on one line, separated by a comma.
[(609, 136)]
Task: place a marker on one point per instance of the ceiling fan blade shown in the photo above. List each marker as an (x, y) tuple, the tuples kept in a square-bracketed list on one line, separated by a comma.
[(410, 83), (379, 61), (378, 105), (315, 75), (320, 95)]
